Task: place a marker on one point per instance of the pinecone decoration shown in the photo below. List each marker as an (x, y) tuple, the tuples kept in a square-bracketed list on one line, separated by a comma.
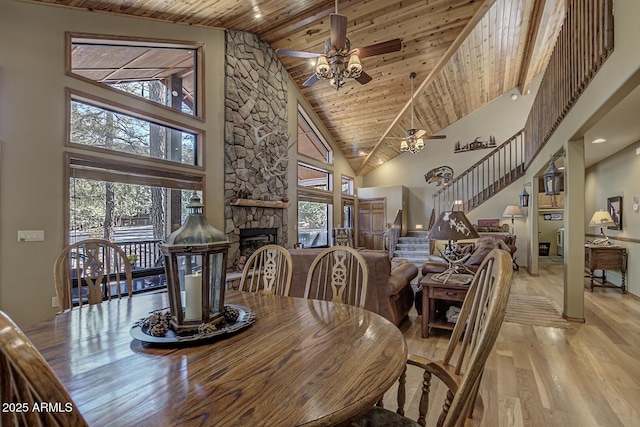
[(231, 314)]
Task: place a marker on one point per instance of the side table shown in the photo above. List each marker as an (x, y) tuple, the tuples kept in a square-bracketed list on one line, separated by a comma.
[(611, 257), (432, 290)]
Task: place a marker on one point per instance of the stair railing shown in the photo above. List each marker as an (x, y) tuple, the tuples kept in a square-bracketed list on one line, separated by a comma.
[(395, 231), (489, 175)]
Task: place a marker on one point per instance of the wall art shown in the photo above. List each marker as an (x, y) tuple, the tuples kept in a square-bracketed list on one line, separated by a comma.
[(614, 206), (476, 144), (440, 175)]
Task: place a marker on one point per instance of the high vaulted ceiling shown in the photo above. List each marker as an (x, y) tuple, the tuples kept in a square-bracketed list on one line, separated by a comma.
[(465, 53)]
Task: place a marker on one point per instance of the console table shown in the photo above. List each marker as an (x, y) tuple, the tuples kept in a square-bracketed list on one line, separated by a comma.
[(605, 258)]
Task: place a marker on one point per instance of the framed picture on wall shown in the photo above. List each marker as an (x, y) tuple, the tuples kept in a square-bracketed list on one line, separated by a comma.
[(614, 206)]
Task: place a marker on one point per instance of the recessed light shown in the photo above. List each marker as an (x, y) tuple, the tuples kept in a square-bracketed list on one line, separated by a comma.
[(598, 141), (514, 97), (258, 15)]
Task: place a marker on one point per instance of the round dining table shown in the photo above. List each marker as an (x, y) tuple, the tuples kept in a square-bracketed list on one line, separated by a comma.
[(301, 362)]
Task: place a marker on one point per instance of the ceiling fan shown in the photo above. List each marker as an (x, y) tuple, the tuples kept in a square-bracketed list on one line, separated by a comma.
[(339, 61), (414, 139)]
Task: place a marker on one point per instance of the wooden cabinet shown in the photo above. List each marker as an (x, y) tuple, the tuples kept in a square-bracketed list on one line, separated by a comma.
[(605, 258)]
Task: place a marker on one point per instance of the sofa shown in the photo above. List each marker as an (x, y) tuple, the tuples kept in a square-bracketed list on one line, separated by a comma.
[(481, 247), (389, 291)]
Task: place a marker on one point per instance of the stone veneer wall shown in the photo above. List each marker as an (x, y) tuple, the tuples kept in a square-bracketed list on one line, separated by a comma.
[(255, 95)]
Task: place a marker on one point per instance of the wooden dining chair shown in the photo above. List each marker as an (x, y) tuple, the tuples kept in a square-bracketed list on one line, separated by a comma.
[(471, 342), (28, 383), (343, 237), (89, 271), (268, 270), (338, 274)]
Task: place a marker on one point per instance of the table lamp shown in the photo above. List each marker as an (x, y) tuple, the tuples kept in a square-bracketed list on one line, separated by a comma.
[(601, 219), (453, 226), (512, 211)]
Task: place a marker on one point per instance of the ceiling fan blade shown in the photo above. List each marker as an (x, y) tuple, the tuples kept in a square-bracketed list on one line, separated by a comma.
[(420, 132), (297, 53), (338, 31), (310, 81), (395, 137), (364, 78), (434, 137), (380, 48)]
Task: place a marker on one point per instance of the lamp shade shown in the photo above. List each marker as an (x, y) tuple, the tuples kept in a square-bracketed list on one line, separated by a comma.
[(452, 226), (601, 219), (512, 211)]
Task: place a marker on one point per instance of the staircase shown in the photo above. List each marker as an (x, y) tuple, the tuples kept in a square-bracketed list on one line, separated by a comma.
[(494, 172), (414, 247)]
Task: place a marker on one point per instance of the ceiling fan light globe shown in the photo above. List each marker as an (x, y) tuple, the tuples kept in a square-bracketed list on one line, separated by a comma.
[(354, 67), (404, 146), (419, 144), (322, 68)]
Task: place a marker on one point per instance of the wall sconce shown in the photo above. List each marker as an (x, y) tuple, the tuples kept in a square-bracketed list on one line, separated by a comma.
[(552, 180), (524, 198)]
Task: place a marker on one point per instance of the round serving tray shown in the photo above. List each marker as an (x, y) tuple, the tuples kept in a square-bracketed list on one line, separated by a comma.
[(245, 318)]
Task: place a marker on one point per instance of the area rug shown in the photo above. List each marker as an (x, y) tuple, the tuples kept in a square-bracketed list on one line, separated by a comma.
[(534, 310)]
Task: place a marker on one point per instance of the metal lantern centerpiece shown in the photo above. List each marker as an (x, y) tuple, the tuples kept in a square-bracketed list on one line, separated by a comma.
[(195, 259)]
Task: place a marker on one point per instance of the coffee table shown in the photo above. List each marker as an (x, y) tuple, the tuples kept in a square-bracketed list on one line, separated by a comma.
[(454, 290)]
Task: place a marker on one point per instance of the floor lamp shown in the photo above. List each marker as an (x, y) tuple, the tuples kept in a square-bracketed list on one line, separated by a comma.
[(512, 211)]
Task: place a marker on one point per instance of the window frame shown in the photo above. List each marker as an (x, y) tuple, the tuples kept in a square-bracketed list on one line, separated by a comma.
[(124, 41), (78, 96), (329, 157)]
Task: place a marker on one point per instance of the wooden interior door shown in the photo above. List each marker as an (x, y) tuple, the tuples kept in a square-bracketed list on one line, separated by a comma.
[(371, 218)]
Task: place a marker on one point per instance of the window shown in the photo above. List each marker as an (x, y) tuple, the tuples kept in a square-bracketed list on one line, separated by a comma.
[(129, 205), (162, 72), (347, 185), (348, 212), (310, 141), (314, 217), (315, 201), (312, 177), (107, 127)]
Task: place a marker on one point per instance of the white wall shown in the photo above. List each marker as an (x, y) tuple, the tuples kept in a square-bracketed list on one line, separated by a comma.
[(502, 118)]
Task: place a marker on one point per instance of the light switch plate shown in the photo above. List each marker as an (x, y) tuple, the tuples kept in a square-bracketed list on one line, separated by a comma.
[(30, 235)]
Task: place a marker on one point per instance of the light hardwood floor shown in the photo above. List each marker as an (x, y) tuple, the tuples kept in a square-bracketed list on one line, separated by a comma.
[(539, 376)]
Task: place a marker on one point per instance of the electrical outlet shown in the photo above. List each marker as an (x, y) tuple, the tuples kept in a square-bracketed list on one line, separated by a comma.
[(55, 302), (30, 235)]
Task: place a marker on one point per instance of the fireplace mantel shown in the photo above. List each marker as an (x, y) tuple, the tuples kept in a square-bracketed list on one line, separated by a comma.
[(259, 203)]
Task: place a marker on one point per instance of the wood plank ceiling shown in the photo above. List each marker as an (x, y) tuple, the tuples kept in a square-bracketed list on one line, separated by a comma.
[(465, 53)]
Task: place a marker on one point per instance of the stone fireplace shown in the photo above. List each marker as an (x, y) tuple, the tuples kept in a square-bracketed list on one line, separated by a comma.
[(256, 143)]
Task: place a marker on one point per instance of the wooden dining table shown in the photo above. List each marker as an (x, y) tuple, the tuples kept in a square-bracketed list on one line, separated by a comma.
[(302, 362)]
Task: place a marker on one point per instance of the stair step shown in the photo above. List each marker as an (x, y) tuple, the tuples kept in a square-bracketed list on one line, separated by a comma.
[(418, 233)]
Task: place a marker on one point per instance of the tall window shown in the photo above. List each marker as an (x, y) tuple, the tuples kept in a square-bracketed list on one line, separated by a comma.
[(118, 187), (163, 72), (314, 205), (310, 141)]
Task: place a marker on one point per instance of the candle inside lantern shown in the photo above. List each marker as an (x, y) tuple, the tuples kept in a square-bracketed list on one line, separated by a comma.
[(193, 303)]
